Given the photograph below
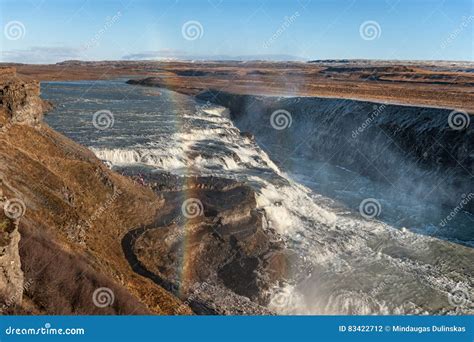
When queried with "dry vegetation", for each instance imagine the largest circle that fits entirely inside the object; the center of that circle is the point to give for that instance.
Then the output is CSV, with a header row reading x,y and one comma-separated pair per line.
x,y
441,84
60,282
64,255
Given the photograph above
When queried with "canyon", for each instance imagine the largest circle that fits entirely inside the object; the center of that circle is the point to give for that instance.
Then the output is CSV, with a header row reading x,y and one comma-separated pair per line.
x,y
421,83
80,227
57,186
125,229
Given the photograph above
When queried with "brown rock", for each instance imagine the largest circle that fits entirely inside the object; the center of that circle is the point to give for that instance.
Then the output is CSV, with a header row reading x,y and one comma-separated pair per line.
x,y
77,211
228,247
11,275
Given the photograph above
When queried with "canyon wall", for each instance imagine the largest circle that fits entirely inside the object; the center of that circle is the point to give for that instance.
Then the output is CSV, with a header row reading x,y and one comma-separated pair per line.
x,y
11,275
20,100
423,151
63,215
19,103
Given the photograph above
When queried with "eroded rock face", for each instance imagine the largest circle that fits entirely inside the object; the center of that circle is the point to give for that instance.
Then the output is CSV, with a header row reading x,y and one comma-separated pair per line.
x,y
11,275
215,248
19,103
77,211
19,99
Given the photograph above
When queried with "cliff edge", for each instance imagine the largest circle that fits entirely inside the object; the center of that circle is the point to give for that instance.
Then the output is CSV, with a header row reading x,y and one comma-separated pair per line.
x,y
63,215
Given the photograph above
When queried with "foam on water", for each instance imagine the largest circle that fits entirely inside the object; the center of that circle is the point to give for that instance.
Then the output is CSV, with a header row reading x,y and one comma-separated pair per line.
x,y
340,263
123,157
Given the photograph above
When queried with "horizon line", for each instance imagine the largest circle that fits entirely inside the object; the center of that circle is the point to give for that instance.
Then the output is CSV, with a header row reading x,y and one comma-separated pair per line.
x,y
334,60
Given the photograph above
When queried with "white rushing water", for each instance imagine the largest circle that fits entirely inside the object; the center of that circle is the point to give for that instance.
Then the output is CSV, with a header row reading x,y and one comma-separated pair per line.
x,y
341,262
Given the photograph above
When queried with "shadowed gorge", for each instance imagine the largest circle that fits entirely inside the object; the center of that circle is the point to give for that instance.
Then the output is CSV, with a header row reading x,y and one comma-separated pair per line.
x,y
309,181
371,138
237,170
231,203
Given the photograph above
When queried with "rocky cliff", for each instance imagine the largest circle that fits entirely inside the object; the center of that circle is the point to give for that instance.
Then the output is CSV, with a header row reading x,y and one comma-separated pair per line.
x,y
70,211
422,151
11,275
213,247
78,238
19,99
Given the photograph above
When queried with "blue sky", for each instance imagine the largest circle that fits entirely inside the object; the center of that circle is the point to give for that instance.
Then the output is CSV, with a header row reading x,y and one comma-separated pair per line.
x,y
48,31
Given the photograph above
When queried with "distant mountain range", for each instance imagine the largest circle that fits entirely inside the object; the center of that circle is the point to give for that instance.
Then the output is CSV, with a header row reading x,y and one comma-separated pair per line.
x,y
174,57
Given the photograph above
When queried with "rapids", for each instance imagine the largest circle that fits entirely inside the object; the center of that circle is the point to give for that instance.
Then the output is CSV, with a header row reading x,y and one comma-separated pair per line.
x,y
400,261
